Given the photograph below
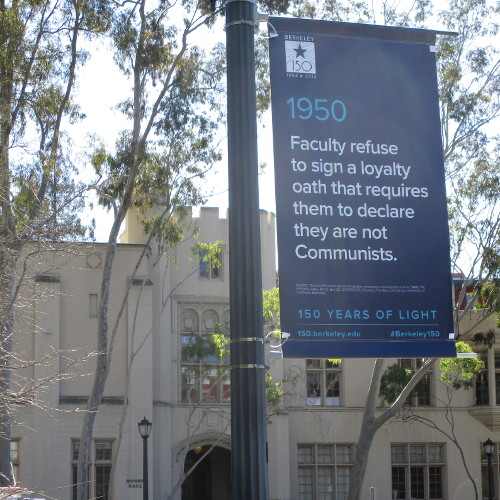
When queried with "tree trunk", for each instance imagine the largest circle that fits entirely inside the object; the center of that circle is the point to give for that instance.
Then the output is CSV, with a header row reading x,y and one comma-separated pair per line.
x,y
371,424
101,372
360,462
368,429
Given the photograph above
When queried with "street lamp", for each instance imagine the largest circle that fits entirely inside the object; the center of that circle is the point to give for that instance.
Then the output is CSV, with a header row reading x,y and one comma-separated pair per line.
x,y
145,430
489,448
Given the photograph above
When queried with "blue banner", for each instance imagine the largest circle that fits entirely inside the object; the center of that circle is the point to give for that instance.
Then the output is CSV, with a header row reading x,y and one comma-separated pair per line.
x,y
363,241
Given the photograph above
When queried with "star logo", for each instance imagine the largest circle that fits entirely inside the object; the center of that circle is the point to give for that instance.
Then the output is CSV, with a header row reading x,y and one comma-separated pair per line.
x,y
300,57
300,51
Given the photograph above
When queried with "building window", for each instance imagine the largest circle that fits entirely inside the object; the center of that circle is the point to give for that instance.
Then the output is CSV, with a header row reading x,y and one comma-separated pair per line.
x,y
324,471
482,386
418,471
99,467
75,447
102,468
497,378
495,462
211,268
421,395
204,376
14,459
323,382
489,374
204,354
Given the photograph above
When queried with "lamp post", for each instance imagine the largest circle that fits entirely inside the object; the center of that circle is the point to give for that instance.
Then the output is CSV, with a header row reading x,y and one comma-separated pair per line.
x,y
489,448
145,430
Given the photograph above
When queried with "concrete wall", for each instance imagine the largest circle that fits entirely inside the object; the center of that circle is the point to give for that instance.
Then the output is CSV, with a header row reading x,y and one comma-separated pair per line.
x,y
54,315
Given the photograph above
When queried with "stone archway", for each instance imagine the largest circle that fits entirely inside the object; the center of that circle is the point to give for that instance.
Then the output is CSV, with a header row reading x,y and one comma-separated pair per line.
x,y
211,479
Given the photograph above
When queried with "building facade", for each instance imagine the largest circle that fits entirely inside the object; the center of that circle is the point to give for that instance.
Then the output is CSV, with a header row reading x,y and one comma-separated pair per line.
x,y
175,304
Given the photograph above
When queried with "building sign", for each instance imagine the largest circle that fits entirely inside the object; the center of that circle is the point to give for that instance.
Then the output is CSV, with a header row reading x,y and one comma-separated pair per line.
x,y
134,483
363,241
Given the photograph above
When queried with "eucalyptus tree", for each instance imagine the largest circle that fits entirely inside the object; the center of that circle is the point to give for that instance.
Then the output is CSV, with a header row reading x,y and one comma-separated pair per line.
x,y
170,142
171,119
469,84
39,199
455,374
469,90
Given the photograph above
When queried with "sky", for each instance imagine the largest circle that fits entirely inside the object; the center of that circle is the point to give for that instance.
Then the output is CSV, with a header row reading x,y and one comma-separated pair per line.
x,y
102,86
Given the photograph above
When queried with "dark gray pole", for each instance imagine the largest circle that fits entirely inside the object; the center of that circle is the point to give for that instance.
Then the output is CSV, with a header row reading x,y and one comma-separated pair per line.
x,y
248,401
489,448
490,479
145,479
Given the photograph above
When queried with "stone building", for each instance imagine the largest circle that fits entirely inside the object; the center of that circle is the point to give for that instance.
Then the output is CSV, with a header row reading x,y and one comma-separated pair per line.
x,y
174,300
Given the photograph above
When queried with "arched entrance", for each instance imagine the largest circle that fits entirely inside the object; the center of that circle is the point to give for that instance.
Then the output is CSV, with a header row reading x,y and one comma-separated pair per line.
x,y
211,479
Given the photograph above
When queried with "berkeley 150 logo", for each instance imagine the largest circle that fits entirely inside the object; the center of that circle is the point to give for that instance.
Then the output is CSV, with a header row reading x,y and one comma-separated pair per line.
x,y
300,57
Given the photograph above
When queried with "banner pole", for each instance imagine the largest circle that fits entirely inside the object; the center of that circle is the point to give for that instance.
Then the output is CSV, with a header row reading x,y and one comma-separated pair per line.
x,y
248,402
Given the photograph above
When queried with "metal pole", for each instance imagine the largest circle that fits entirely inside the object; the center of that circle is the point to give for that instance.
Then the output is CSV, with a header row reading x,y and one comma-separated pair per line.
x,y
248,403
145,480
490,478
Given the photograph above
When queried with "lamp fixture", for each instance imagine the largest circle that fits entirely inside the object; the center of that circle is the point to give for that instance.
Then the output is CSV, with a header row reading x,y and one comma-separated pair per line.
x,y
145,428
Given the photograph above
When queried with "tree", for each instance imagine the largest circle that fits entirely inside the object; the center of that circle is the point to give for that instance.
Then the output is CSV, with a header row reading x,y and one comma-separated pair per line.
x,y
456,374
39,199
473,219
174,113
207,252
469,84
168,145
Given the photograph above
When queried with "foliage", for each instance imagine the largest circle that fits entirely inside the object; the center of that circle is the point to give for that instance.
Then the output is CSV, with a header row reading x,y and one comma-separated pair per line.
x,y
356,11
269,6
274,394
39,57
171,118
208,252
202,348
176,99
394,380
469,83
271,308
215,347
460,373
334,10
40,198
